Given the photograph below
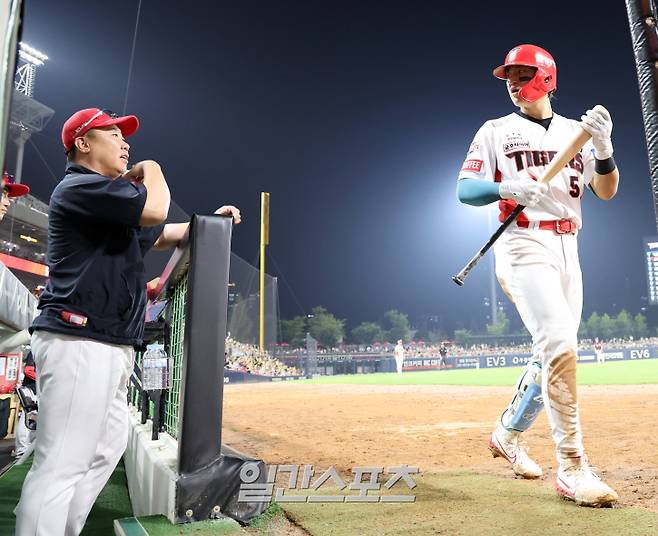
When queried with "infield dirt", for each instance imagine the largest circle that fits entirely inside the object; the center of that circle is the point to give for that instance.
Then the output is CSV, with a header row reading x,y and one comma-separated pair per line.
x,y
441,429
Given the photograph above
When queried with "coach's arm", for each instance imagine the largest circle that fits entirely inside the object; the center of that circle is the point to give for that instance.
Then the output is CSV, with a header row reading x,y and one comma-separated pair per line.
x,y
173,233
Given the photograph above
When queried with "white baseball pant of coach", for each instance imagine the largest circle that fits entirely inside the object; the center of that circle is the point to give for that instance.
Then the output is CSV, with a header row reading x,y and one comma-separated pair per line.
x,y
82,431
541,271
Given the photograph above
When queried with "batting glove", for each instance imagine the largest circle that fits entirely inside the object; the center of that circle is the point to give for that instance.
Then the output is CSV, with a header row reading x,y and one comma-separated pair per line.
x,y
598,123
525,192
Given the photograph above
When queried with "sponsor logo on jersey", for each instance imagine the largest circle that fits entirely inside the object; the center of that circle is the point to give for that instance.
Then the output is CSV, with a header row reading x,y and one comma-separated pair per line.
x,y
475,146
472,165
514,145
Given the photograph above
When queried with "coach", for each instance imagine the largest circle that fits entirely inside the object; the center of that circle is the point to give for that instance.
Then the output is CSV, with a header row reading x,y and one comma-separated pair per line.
x,y
103,218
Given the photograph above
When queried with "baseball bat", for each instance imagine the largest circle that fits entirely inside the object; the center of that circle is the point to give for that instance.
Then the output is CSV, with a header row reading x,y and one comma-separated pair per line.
x,y
560,160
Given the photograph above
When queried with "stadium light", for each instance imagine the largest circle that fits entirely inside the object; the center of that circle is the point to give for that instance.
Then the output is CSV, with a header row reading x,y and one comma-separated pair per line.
x,y
29,58
25,73
33,52
27,114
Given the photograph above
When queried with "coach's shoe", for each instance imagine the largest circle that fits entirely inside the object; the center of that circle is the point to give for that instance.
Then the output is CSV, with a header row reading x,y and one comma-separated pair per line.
x,y
577,482
506,444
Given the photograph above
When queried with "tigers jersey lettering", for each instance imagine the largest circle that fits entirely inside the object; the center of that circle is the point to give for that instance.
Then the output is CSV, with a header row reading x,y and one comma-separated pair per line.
x,y
512,148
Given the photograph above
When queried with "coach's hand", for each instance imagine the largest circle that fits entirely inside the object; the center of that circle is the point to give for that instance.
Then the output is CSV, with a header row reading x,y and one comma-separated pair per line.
x,y
524,191
230,210
137,172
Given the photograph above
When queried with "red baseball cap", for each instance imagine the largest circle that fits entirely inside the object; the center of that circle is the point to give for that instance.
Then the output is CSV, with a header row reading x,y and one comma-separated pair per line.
x,y
84,120
13,189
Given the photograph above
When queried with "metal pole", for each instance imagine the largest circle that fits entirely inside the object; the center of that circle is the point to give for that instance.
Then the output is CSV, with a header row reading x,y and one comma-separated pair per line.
x,y
264,240
20,143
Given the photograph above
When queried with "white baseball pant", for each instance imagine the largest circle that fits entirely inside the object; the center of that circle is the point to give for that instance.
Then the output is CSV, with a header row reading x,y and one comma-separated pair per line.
x,y
541,271
82,431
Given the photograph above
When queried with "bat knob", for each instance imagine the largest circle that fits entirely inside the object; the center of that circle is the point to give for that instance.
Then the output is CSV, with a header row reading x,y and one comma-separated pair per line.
x,y
458,280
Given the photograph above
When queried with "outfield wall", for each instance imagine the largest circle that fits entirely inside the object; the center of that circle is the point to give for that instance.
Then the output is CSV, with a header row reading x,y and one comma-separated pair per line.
x,y
331,365
517,360
233,376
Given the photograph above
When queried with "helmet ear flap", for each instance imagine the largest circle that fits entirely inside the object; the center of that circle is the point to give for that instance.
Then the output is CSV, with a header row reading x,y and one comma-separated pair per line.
x,y
541,84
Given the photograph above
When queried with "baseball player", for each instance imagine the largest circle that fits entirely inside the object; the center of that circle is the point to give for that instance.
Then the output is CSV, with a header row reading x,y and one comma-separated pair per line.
x,y
103,218
25,428
398,352
443,352
537,257
10,191
598,350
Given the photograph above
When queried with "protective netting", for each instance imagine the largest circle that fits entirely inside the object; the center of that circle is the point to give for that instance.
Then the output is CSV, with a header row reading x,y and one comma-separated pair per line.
x,y
242,326
178,303
243,293
244,304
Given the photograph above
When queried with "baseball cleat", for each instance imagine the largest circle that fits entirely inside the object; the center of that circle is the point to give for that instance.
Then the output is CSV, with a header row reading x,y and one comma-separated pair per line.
x,y
576,481
506,445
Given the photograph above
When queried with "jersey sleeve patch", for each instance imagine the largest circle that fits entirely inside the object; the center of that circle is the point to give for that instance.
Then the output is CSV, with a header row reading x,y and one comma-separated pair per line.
x,y
475,146
472,165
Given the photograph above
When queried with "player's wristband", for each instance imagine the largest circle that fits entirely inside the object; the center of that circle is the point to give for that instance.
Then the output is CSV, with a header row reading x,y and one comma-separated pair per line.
x,y
603,167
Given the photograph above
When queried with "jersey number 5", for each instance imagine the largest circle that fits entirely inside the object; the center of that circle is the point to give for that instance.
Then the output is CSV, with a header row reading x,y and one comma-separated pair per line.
x,y
574,186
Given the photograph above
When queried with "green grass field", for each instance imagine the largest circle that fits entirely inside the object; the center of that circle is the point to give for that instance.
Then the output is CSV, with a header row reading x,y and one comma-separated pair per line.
x,y
610,373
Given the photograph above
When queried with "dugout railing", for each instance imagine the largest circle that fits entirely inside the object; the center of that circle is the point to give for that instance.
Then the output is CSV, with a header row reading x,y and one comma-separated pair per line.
x,y
202,477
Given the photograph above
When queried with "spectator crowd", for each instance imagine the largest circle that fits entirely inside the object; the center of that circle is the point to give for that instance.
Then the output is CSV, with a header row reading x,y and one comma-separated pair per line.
x,y
416,349
243,357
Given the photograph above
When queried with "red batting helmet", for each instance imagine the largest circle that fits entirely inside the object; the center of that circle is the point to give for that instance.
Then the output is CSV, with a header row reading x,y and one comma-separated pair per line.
x,y
545,79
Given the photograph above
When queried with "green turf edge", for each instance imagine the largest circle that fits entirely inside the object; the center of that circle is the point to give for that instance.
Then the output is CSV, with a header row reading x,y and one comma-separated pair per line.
x,y
161,526
129,526
263,521
610,373
272,521
471,504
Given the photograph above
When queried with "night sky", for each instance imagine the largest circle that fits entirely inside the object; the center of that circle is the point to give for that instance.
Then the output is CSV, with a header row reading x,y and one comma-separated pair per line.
x,y
356,116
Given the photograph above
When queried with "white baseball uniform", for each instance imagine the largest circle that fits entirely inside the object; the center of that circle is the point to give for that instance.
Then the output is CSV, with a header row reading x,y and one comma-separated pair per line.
x,y
537,257
398,352
598,350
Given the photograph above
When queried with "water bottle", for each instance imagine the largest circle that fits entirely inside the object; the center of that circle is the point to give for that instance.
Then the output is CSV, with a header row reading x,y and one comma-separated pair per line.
x,y
155,368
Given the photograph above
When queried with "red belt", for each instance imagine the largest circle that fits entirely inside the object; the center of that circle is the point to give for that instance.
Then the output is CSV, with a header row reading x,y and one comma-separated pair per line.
x,y
559,226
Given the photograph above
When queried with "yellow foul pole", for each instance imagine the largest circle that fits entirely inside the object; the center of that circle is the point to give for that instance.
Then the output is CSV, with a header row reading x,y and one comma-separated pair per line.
x,y
264,241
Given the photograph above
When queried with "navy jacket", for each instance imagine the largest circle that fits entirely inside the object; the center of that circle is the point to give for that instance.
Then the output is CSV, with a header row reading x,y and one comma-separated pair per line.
x,y
95,257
